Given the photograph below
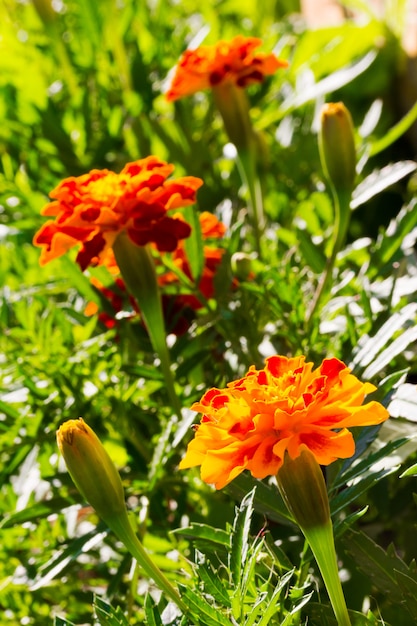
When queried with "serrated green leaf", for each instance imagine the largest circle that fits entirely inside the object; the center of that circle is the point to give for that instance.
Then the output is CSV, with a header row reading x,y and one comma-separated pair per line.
x,y
212,582
240,537
375,562
404,402
107,615
395,348
161,452
153,617
198,531
203,611
408,586
342,526
270,609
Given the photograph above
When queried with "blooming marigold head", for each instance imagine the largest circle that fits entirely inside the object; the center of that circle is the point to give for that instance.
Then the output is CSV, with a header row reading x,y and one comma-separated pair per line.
x,y
93,209
285,407
227,61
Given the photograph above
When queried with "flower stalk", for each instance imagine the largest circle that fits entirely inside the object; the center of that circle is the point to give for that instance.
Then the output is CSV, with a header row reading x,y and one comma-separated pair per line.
x,y
137,268
99,482
338,159
303,489
233,105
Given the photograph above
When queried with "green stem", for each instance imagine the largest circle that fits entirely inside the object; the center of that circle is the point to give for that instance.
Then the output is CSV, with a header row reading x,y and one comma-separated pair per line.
x,y
233,105
247,167
137,268
321,541
303,489
342,215
120,525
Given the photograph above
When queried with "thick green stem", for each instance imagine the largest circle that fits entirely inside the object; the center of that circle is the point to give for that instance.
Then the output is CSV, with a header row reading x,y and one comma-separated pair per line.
x,y
233,106
342,214
303,489
138,270
321,542
124,531
247,167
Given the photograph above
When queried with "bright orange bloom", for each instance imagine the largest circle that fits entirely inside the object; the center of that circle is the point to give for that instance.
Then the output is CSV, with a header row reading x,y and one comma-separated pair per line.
x,y
282,408
93,209
234,61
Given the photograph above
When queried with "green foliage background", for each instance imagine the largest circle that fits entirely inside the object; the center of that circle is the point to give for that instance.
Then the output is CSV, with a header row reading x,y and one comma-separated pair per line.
x,y
81,87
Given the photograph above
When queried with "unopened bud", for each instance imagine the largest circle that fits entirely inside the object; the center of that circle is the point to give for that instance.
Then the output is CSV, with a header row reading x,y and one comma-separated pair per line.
x,y
241,264
91,468
337,146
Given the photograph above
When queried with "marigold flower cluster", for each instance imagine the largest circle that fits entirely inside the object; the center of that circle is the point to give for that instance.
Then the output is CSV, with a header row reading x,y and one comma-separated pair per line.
x,y
280,409
94,208
235,61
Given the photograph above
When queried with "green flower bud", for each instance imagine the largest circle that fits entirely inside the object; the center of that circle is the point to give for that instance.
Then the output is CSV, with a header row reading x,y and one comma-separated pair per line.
x,y
302,487
242,265
337,146
91,468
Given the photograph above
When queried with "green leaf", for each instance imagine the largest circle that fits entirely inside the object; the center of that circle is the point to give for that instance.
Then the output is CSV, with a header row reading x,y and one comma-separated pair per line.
x,y
360,469
395,132
370,353
61,621
107,615
411,471
313,255
404,402
351,493
380,566
211,579
62,558
392,239
204,612
335,81
270,609
35,512
341,526
240,537
153,616
197,532
380,180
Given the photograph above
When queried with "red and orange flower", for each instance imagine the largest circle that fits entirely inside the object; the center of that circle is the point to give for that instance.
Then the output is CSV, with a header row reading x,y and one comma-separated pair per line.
x,y
93,209
227,61
283,408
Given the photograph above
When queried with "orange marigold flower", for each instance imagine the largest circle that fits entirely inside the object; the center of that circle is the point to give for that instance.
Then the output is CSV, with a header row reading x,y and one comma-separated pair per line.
x,y
284,407
94,208
235,61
